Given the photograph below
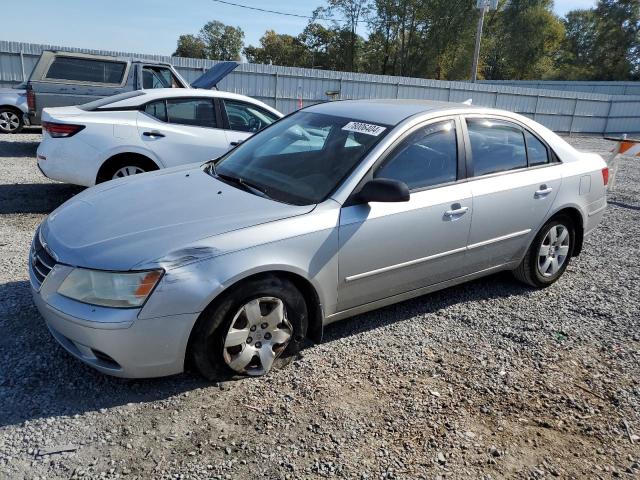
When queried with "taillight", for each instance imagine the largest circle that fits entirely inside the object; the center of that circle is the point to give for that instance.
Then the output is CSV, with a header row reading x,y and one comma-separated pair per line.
x,y
605,175
61,130
31,99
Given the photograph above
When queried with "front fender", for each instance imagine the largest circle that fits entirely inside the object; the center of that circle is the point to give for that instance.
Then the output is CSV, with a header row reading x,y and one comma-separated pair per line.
x,y
311,256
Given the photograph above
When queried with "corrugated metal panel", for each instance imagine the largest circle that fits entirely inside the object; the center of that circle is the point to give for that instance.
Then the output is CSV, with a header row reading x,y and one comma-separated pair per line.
x,y
585,107
588,124
608,88
590,108
517,103
556,105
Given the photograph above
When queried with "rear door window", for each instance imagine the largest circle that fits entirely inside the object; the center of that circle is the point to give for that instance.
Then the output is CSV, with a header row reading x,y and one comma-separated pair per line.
x,y
197,112
496,146
86,70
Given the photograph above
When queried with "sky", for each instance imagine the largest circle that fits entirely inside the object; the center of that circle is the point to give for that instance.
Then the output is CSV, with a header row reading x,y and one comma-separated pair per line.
x,y
153,26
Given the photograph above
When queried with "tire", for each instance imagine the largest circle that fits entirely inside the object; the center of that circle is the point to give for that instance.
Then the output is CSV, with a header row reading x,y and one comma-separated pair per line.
x,y
10,120
125,167
547,259
240,334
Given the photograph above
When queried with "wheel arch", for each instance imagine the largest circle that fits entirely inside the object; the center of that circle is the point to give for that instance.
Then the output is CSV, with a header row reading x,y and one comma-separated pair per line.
x,y
120,156
306,287
15,108
575,215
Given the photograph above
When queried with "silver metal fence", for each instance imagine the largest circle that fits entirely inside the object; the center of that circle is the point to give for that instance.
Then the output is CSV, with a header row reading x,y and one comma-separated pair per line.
x,y
608,88
286,87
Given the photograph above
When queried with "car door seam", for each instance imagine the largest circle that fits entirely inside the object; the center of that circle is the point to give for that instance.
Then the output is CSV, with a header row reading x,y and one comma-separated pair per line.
x,y
417,261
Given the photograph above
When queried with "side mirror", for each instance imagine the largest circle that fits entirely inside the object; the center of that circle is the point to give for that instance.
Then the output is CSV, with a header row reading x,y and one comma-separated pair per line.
x,y
384,190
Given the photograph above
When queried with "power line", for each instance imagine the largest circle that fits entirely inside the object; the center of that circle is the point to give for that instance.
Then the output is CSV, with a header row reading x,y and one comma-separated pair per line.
x,y
276,12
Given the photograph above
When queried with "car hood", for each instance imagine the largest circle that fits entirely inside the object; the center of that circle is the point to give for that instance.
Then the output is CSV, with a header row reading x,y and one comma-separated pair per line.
x,y
120,224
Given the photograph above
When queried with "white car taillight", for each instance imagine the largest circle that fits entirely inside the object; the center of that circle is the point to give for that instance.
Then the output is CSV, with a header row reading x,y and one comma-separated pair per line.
x,y
61,130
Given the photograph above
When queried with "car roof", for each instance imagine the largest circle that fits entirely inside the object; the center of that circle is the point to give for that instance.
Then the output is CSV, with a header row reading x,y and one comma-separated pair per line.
x,y
161,93
386,111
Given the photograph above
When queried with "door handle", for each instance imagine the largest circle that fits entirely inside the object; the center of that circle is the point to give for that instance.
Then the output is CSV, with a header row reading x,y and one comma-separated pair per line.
x,y
153,133
456,210
544,190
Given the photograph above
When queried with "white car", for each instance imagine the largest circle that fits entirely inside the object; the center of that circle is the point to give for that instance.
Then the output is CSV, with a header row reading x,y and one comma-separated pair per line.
x,y
140,131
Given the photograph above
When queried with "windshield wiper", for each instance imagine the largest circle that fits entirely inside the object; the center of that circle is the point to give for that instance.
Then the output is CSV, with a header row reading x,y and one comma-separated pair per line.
x,y
244,184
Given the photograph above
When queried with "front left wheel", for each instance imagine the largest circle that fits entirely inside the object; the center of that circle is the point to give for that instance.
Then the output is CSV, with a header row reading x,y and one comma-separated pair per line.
x,y
251,330
10,120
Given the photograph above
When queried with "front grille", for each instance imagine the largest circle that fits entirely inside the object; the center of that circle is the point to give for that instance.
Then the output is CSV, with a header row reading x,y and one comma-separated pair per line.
x,y
41,260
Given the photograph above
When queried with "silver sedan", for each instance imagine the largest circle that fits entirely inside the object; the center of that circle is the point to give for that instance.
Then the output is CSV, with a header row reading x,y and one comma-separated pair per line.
x,y
335,210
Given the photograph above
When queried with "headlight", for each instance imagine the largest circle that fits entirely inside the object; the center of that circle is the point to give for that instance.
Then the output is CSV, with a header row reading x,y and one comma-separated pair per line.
x,y
109,289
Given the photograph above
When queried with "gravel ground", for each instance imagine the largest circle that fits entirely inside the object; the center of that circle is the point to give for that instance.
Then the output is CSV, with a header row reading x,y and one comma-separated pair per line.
x,y
486,380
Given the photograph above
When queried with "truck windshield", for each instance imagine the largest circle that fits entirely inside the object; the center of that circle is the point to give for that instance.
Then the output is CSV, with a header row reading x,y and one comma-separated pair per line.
x,y
302,158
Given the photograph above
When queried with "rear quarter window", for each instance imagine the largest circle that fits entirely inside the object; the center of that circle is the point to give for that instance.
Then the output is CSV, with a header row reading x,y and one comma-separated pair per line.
x,y
86,70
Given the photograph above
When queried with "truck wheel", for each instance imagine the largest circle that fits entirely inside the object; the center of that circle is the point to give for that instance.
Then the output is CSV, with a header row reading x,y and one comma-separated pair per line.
x,y
10,120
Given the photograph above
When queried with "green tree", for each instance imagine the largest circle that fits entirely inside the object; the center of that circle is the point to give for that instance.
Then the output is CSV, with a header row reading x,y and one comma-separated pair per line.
x,y
529,35
190,46
278,49
348,14
576,61
222,42
617,43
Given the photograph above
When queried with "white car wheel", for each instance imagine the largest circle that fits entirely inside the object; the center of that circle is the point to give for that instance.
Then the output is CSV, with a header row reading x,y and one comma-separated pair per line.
x,y
127,171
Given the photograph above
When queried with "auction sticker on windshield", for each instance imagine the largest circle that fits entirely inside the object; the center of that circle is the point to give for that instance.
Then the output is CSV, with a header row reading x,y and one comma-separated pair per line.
x,y
366,128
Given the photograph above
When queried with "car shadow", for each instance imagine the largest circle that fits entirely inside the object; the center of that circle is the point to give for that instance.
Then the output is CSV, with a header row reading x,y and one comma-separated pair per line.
x,y
17,149
35,197
498,285
39,379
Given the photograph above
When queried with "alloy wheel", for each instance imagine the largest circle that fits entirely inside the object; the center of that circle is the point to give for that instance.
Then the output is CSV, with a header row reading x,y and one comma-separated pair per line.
x,y
127,171
258,334
554,250
9,121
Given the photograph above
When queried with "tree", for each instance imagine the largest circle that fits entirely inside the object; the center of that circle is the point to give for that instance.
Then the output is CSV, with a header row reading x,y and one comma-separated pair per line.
x,y
278,49
190,46
529,36
351,12
222,42
576,61
617,42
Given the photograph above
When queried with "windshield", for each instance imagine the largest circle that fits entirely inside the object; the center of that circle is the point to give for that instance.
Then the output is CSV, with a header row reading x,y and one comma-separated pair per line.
x,y
302,158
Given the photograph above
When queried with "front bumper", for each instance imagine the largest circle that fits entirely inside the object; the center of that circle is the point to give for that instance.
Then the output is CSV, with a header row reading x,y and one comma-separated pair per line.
x,y
111,340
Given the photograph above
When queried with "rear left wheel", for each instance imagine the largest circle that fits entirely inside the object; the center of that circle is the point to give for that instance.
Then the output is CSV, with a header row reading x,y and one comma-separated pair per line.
x,y
549,254
10,120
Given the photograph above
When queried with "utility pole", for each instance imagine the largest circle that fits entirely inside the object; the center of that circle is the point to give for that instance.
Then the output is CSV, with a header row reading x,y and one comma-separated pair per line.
x,y
483,6
476,52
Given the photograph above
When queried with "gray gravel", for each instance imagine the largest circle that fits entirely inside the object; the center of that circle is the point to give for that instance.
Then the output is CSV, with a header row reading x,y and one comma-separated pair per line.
x,y
485,380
